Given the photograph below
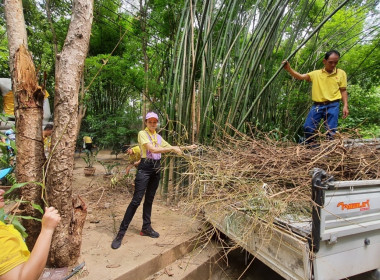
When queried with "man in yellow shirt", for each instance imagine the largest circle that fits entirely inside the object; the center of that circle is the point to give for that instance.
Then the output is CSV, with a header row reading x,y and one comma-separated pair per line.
x,y
87,141
329,86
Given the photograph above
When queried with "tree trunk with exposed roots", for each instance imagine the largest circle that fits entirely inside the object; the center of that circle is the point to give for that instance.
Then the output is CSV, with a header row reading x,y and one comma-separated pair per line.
x,y
67,239
29,98
65,249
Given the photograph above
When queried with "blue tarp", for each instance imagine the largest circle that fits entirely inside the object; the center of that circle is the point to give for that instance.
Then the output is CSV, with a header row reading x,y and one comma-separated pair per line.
x,y
4,172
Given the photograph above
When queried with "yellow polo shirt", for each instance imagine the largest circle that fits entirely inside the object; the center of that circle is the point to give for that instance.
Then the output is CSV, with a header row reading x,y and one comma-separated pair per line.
x,y
13,250
87,139
9,105
326,86
144,139
47,143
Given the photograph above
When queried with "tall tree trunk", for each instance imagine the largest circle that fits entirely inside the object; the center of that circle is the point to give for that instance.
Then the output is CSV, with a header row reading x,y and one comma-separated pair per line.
x,y
67,239
82,107
28,113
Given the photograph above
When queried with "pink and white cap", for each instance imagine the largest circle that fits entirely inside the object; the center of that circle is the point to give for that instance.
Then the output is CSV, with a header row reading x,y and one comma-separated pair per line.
x,y
151,115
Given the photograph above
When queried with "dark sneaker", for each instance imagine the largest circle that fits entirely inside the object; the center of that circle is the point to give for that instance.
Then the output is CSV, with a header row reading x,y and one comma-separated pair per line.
x,y
149,232
117,241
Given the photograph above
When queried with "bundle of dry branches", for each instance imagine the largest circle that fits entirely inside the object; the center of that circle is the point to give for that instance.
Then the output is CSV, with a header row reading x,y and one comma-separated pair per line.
x,y
267,178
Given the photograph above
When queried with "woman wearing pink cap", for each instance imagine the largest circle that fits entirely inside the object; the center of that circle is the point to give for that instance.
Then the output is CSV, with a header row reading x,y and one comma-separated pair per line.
x,y
147,178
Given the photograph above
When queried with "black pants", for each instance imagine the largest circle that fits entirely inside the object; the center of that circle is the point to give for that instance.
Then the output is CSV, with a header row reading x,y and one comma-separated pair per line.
x,y
146,182
89,147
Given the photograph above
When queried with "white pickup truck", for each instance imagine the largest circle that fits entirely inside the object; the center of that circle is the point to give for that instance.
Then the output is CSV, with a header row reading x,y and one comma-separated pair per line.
x,y
339,240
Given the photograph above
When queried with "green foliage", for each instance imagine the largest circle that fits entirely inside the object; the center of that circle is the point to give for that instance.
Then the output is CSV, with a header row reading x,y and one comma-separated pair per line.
x,y
40,37
4,55
232,60
165,17
113,100
108,28
108,166
118,83
14,219
6,159
90,157
236,54
10,179
235,49
364,111
361,62
15,187
113,131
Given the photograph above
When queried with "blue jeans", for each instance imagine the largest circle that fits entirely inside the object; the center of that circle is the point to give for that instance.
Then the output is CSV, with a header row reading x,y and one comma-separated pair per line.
x,y
146,183
329,113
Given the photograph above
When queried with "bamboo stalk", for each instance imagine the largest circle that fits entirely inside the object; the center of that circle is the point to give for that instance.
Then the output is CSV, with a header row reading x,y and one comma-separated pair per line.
x,y
288,58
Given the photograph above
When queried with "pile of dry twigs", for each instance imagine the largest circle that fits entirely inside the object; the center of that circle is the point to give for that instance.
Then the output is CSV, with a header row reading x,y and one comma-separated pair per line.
x,y
269,178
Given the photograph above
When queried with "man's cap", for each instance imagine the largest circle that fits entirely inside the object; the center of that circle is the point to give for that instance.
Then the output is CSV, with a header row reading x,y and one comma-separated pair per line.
x,y
151,115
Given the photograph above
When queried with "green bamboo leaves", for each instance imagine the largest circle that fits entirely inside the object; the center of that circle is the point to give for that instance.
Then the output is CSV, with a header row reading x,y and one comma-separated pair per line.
x,y
227,58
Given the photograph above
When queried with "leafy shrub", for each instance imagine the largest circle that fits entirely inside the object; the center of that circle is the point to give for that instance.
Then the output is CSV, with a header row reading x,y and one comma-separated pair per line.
x,y
364,111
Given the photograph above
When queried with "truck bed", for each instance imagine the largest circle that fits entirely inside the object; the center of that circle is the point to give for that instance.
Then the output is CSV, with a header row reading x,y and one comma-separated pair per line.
x,y
342,240
283,250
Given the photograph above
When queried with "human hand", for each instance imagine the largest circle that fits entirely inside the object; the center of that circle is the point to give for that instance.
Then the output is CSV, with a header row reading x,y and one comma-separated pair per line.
x,y
192,147
345,112
286,65
177,150
50,219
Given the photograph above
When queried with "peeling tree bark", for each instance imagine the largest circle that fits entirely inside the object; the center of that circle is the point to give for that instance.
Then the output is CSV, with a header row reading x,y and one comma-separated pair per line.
x,y
82,107
28,113
67,239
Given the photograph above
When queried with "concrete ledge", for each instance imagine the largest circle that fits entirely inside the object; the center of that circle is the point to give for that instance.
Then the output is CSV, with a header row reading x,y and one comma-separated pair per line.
x,y
161,261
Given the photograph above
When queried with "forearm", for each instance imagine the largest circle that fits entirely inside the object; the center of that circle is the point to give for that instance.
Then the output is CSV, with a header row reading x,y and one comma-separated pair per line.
x,y
345,110
296,75
33,268
344,98
161,150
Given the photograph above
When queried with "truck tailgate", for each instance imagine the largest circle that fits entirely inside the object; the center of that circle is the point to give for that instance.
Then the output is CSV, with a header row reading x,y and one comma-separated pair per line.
x,y
349,230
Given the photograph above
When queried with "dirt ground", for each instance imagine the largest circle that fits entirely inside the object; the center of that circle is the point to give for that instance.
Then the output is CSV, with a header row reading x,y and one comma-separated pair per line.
x,y
100,192
107,199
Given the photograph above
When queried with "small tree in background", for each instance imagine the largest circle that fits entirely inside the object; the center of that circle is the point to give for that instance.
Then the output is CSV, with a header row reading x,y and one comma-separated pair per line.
x,y
112,131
